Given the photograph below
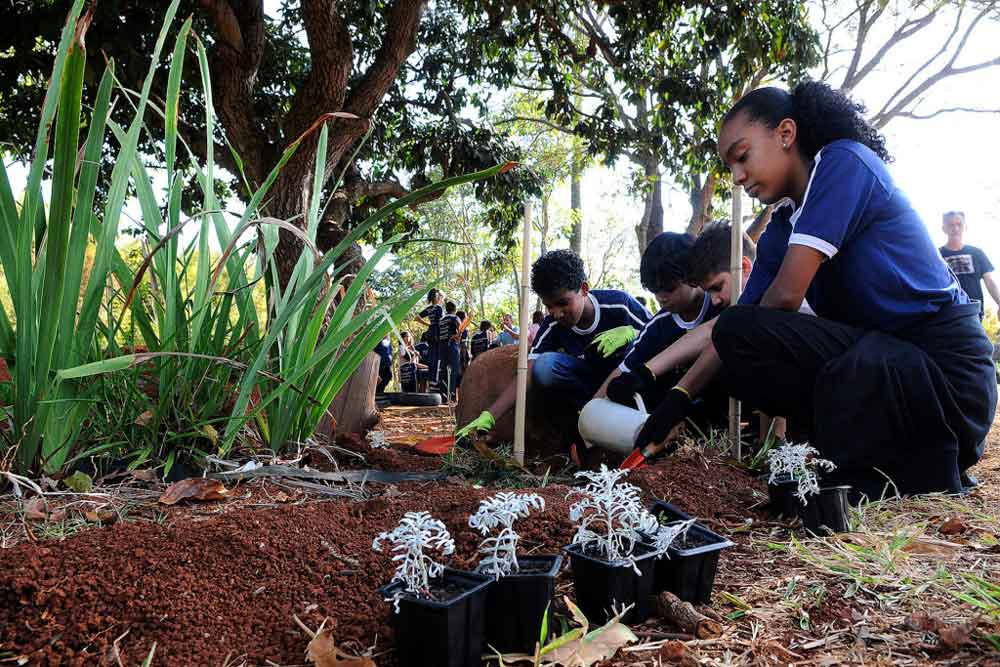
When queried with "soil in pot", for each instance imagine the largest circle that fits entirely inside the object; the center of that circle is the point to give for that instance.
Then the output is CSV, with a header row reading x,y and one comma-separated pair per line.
x,y
516,604
826,511
688,569
601,586
446,627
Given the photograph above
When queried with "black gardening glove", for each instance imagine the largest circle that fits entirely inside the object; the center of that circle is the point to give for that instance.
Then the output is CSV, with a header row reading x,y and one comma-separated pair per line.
x,y
672,411
624,387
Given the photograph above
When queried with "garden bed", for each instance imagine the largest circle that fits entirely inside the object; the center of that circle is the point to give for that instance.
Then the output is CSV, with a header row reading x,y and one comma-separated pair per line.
x,y
222,581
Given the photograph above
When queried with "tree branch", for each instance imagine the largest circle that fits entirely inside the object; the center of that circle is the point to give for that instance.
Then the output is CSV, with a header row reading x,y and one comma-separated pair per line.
x,y
919,116
238,51
540,121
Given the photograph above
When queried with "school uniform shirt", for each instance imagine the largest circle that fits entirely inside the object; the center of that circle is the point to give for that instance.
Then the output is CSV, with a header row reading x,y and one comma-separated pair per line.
x,y
612,308
408,371
661,332
480,343
882,270
969,263
448,327
433,315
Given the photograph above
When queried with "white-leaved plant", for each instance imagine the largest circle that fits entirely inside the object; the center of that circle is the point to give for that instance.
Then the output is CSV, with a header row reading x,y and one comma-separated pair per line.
x,y
501,511
802,463
377,440
610,516
416,534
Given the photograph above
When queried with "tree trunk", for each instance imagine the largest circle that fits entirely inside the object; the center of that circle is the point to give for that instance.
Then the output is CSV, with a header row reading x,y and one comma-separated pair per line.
x,y
759,224
651,224
543,246
353,409
701,203
576,199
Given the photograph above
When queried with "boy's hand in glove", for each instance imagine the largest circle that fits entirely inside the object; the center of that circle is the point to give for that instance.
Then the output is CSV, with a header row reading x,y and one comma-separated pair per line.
x,y
624,387
613,340
484,422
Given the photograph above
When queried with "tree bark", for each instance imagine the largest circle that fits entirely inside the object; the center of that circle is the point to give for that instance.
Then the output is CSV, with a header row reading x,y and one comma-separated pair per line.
x,y
353,409
576,199
700,196
651,224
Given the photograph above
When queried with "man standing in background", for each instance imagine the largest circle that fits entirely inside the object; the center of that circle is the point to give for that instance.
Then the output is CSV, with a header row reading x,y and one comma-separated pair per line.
x,y
509,333
968,263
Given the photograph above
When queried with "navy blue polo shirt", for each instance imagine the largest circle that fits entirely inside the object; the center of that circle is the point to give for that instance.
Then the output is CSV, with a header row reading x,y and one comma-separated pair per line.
x,y
448,327
661,332
433,314
882,270
612,308
480,343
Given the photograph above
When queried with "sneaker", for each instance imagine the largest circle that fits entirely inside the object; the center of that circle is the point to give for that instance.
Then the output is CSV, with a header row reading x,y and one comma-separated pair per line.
x,y
968,481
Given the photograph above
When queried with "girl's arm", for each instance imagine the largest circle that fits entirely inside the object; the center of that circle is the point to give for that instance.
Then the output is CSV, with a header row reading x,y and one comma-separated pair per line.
x,y
422,321
684,350
798,268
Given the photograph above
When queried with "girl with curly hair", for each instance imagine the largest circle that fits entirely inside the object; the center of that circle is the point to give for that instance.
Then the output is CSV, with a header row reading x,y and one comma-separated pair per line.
x,y
892,379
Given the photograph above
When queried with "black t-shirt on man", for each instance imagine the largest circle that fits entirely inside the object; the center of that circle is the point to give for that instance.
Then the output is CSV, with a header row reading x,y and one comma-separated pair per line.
x,y
969,264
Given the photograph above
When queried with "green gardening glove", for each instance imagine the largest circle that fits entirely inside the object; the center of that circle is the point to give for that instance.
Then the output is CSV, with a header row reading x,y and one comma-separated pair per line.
x,y
484,422
613,340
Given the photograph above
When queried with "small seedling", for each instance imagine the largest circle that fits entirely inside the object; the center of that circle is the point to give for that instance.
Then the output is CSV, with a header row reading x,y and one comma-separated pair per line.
x,y
611,517
377,440
501,511
802,463
417,533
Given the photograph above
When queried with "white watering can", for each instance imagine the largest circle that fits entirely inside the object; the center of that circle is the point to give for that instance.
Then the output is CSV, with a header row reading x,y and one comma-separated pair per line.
x,y
613,426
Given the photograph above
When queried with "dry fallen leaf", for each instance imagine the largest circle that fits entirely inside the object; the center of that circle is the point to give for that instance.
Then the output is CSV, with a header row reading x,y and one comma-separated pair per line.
x,y
955,636
281,497
922,621
194,488
144,418
144,475
324,652
592,647
100,516
37,509
923,547
953,526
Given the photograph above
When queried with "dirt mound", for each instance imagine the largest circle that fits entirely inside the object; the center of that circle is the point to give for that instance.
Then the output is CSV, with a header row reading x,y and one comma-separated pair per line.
x,y
547,432
704,487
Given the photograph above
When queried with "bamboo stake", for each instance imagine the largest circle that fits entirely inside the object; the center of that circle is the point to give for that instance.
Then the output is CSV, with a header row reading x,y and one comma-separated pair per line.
x,y
520,406
736,288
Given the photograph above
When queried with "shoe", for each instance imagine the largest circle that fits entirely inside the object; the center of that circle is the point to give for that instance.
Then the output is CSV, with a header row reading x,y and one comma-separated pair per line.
x,y
968,481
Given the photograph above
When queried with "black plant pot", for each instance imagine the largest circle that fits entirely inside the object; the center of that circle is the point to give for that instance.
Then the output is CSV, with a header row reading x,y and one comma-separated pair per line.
x,y
601,585
784,502
826,510
688,569
441,632
516,604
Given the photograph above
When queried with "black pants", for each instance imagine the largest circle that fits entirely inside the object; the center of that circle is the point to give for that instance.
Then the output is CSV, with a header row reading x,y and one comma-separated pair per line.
x,y
914,406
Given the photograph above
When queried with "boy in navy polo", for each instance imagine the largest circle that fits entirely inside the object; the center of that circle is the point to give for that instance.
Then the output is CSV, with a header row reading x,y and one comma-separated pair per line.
x,y
683,307
481,340
578,316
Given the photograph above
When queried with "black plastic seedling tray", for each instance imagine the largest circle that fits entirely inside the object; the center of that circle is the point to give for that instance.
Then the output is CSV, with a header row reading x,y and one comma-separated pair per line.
x,y
515,604
784,502
688,572
448,633
601,585
826,510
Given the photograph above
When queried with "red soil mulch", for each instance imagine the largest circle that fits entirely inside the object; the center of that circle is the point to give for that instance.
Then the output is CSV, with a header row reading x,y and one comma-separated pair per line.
x,y
204,588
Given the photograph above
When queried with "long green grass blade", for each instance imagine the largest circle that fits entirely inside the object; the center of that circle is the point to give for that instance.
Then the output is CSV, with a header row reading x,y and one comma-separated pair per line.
x,y
67,137
80,235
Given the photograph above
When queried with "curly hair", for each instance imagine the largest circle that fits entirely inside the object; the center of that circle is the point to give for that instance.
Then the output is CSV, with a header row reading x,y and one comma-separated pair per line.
x,y
557,270
710,252
663,263
821,114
